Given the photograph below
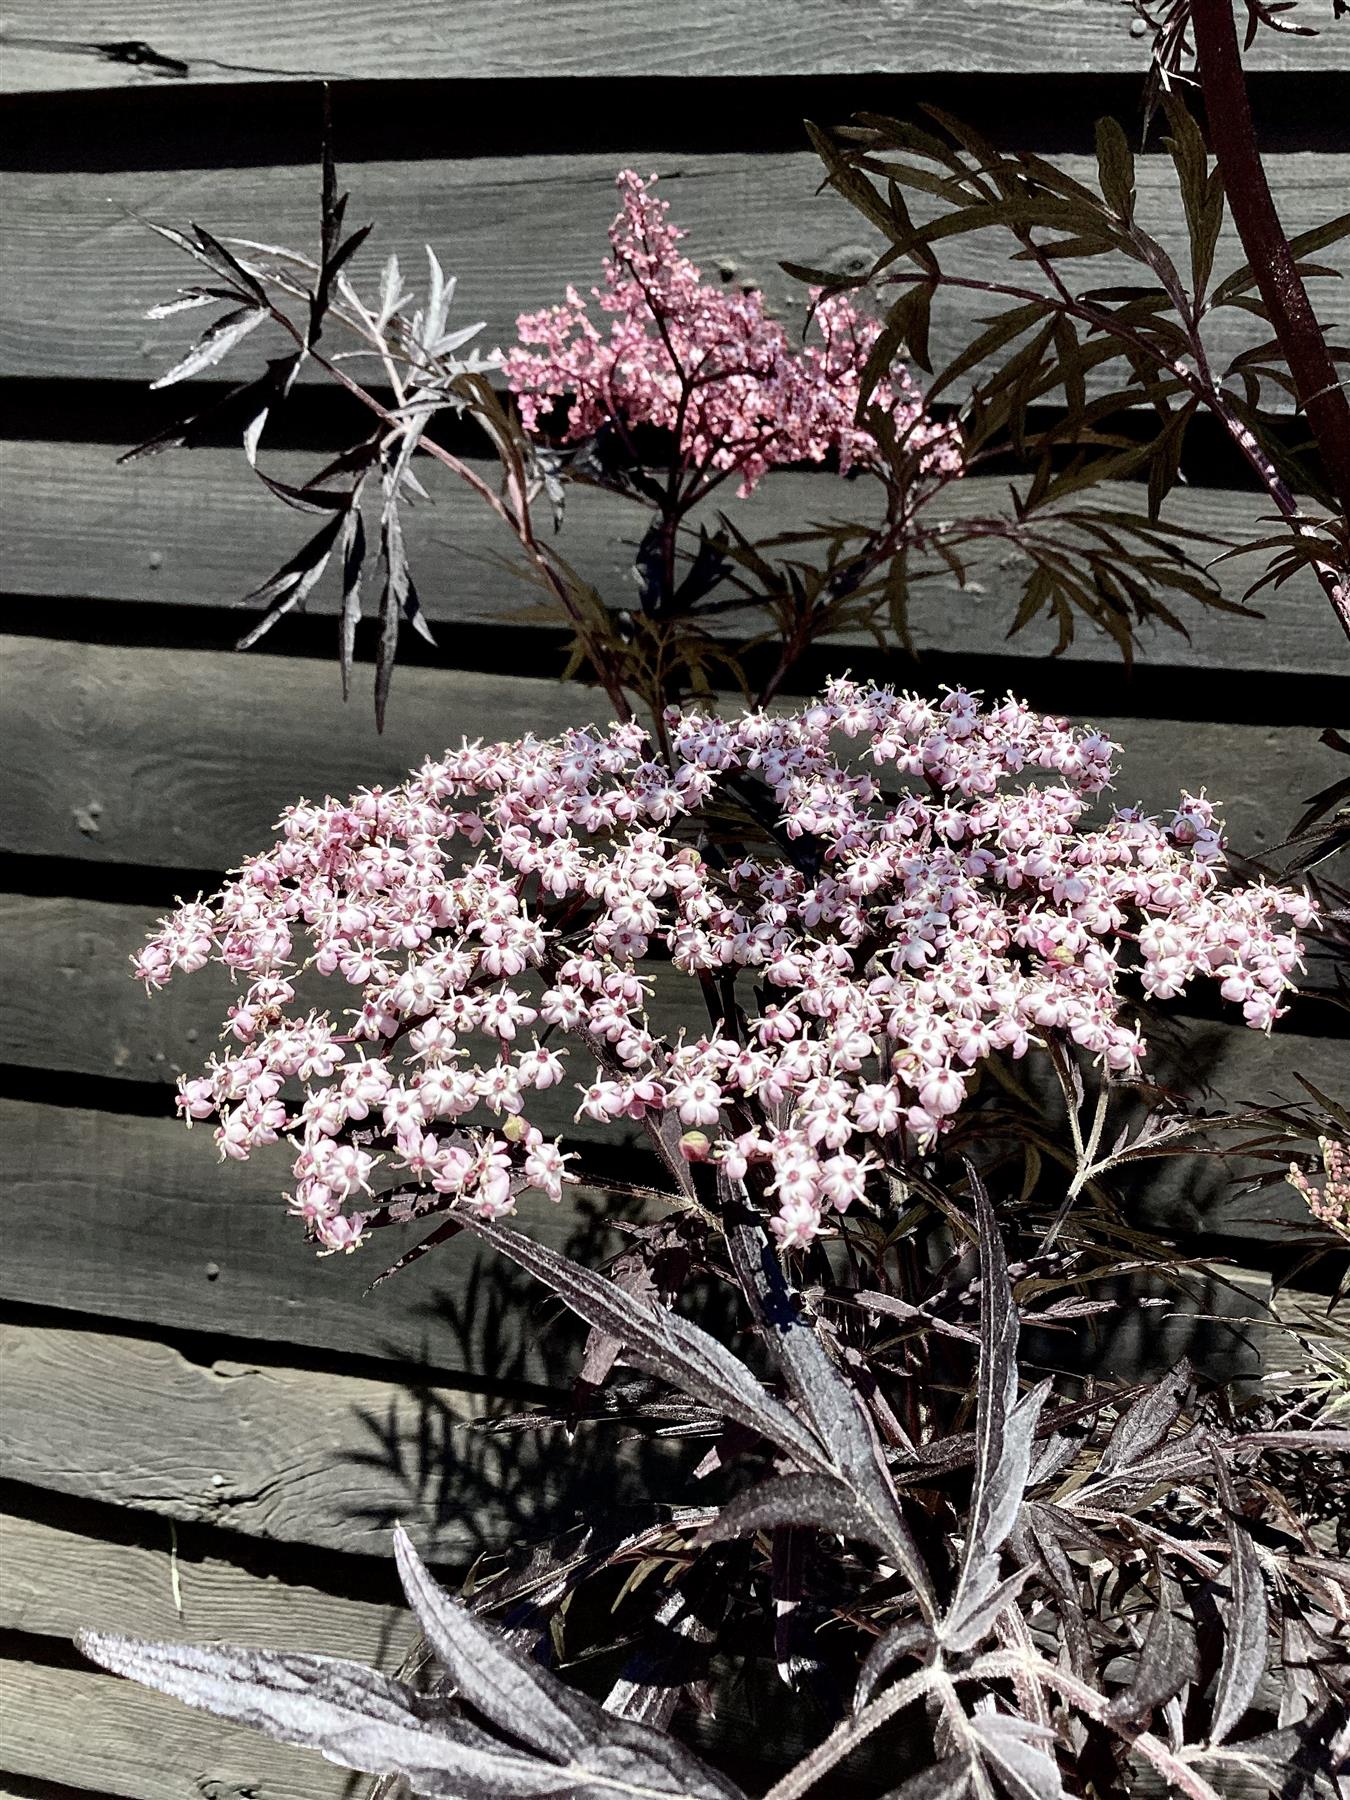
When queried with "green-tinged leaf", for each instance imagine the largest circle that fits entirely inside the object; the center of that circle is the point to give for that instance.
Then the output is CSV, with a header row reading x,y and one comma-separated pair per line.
x,y
1115,169
854,187
1320,237
1001,330
1071,365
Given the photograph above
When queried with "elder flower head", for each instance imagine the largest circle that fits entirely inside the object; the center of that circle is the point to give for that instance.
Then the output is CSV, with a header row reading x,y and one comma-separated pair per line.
x,y
942,883
707,364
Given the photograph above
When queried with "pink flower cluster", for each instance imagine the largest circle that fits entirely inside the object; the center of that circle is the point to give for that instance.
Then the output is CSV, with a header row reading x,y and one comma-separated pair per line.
x,y
1329,1204
506,907
707,365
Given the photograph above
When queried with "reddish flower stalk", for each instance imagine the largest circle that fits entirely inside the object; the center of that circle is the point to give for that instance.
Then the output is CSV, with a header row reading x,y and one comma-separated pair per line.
x,y
1233,139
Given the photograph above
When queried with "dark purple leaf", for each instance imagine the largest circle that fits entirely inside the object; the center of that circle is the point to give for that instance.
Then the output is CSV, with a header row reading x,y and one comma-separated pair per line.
x,y
909,1639
970,1622
353,548
663,1343
355,1717
514,1694
1147,1422
1167,1661
949,1779
817,1500
291,584
1019,1755
1244,1647
826,1396
1005,1432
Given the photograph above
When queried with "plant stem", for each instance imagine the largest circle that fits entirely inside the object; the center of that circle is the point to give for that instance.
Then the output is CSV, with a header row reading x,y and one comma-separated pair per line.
x,y
1233,138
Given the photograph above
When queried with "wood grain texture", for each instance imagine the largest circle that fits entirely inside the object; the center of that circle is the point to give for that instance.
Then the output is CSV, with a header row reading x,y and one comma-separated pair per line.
x,y
86,1730
125,1218
55,46
515,230
59,1581
295,1456
197,530
184,759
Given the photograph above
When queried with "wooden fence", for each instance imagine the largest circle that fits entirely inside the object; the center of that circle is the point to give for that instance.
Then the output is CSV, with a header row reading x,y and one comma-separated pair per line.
x,y
207,1433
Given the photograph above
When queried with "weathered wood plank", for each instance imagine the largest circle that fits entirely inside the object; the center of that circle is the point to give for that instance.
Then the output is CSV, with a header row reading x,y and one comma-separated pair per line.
x,y
50,47
156,1582
184,759
515,230
197,530
293,1456
117,1217
92,1731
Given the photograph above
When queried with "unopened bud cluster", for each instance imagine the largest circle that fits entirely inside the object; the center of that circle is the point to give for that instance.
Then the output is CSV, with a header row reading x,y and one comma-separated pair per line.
x,y
933,889
1330,1203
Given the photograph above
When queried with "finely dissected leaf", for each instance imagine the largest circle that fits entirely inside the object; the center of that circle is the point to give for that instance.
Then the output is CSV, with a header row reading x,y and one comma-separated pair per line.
x,y
213,345
352,1715
827,1397
1244,1646
1005,1431
1015,1752
1307,243
363,1720
398,600
511,1692
1293,1762
1147,1422
1167,1660
909,1639
605,1751
1115,168
974,1615
353,558
292,582
661,1342
815,1500
1201,190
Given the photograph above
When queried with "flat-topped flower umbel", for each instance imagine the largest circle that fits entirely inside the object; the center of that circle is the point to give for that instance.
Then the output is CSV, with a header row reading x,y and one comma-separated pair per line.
x,y
916,883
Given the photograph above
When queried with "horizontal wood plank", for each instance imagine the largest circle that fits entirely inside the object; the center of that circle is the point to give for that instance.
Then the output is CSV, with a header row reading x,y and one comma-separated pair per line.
x,y
198,530
84,1730
134,1219
176,759
155,1582
56,46
184,759
296,1456
515,230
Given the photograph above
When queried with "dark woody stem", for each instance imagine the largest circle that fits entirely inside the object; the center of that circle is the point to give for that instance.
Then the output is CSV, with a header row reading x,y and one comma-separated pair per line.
x,y
1233,139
